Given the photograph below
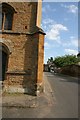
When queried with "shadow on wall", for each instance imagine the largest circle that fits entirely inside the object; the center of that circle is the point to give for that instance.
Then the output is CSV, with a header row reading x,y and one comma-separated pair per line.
x,y
31,56
30,65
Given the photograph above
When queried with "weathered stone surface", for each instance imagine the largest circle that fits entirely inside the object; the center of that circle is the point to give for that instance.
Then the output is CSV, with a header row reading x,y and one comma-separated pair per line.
x,y
24,71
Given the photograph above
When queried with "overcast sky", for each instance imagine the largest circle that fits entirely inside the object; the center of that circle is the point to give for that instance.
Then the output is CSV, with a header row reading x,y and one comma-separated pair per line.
x,y
60,23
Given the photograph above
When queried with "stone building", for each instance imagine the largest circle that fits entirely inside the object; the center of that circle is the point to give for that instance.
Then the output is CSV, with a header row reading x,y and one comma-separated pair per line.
x,y
22,47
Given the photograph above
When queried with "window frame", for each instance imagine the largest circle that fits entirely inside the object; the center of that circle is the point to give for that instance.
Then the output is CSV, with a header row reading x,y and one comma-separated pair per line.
x,y
5,10
6,21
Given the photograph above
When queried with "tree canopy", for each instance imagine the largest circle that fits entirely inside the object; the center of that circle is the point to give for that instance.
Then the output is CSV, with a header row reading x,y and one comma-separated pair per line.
x,y
65,60
50,60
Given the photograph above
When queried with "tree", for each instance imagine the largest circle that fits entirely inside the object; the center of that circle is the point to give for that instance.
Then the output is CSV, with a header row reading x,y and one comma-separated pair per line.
x,y
65,60
50,60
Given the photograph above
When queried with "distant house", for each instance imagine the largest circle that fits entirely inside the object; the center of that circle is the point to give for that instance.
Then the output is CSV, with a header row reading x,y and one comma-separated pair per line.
x,y
46,68
51,67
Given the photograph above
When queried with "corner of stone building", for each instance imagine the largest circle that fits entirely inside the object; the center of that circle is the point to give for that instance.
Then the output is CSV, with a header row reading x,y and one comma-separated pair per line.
x,y
19,81
40,88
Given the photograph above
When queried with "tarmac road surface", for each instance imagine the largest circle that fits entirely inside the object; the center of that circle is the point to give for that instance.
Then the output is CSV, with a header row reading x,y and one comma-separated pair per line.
x,y
63,100
65,89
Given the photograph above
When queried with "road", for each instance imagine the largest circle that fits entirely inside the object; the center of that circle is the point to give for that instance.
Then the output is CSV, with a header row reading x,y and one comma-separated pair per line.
x,y
64,91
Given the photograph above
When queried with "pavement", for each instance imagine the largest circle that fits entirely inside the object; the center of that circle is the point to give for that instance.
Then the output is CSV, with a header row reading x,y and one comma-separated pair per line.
x,y
28,101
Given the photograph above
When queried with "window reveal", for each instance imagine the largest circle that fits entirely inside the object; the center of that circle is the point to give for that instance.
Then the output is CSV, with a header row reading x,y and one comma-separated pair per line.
x,y
6,18
0,21
8,21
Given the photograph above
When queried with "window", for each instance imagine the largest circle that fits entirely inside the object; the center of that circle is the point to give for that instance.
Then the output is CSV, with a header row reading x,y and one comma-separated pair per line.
x,y
6,17
0,21
7,21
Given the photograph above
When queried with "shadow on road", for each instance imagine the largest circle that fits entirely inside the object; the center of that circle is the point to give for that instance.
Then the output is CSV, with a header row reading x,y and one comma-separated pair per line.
x,y
67,78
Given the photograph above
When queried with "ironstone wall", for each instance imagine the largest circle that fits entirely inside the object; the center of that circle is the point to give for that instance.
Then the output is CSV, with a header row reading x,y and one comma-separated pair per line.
x,y
72,70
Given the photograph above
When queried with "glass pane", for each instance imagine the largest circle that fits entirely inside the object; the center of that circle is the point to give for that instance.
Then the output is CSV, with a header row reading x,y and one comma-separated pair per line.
x,y
0,21
8,21
4,58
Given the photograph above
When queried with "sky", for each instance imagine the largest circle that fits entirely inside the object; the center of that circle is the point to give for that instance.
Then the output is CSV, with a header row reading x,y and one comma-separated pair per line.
x,y
60,23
